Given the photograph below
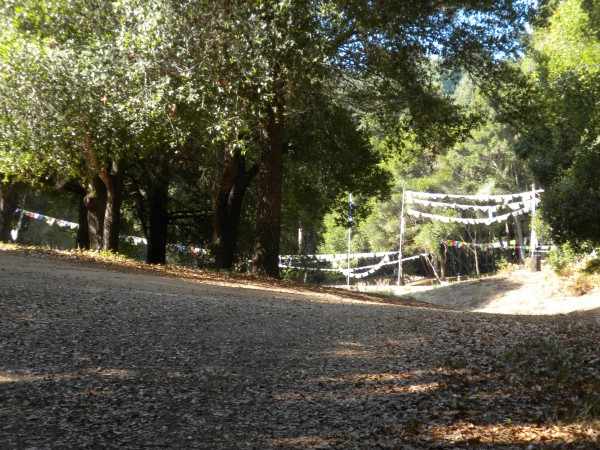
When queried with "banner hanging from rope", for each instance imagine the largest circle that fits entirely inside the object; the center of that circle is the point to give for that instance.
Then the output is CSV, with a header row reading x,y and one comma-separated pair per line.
x,y
463,244
524,204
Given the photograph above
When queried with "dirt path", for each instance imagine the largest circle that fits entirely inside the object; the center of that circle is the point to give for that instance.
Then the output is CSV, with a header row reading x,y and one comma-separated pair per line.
x,y
94,358
520,292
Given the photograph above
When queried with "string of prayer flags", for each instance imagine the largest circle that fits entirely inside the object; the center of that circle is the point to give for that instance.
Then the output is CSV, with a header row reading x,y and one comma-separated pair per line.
x,y
48,220
525,203
486,208
411,195
352,274
462,244
433,204
472,221
135,240
337,256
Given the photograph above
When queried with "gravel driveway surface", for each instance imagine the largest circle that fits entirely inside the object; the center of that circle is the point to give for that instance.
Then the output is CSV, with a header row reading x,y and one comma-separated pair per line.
x,y
97,358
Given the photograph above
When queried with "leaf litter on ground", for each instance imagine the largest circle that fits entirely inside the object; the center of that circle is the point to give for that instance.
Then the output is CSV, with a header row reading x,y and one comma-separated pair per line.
x,y
134,357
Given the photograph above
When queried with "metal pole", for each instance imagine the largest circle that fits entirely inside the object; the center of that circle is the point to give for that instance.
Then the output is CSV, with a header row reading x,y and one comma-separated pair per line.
x,y
400,274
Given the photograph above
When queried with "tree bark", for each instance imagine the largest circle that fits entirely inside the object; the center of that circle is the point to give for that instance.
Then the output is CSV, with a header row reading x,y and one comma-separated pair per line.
x,y
520,240
508,239
113,179
158,223
443,264
82,240
227,206
95,203
268,223
8,203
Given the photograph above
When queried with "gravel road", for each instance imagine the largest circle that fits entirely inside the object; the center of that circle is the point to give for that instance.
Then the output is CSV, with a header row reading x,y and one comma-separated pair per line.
x,y
97,358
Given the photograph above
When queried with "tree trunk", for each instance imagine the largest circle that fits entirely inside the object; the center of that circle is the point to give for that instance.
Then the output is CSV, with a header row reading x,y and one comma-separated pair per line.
x,y
520,240
443,264
113,179
508,239
82,240
227,207
8,203
158,224
268,223
95,203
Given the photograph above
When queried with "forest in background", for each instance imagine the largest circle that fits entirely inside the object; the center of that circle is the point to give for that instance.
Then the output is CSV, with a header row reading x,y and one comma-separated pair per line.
x,y
231,126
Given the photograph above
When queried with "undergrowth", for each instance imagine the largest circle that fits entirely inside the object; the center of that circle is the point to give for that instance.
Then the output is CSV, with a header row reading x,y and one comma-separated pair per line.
x,y
578,267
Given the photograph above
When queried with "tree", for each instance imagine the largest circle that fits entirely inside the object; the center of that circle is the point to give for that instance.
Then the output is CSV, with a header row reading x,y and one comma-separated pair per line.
x,y
561,138
103,74
477,160
9,201
281,47
89,70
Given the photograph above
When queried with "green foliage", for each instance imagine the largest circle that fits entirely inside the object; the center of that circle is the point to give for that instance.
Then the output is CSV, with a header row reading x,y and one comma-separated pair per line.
x,y
565,256
484,163
128,80
561,141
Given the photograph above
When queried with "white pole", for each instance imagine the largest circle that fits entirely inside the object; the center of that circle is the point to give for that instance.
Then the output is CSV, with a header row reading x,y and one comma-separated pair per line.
x,y
533,240
351,219
348,274
400,277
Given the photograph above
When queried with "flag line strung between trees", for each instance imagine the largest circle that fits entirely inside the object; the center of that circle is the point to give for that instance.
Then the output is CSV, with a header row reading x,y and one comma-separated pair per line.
x,y
371,268
494,245
488,208
472,221
503,198
200,251
338,256
133,239
526,202
500,245
48,220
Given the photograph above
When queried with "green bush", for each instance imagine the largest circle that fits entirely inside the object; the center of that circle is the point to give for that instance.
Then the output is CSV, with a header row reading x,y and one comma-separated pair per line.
x,y
564,256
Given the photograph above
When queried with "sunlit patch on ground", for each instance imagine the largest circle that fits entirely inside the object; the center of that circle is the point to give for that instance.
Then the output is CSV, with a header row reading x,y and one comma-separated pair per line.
x,y
509,433
11,377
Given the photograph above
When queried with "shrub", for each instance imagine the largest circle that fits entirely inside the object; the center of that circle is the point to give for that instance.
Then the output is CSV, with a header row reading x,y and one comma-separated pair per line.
x,y
565,256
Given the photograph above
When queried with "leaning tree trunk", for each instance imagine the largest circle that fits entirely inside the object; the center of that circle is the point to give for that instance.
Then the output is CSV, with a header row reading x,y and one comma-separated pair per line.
x,y
227,207
113,179
95,203
8,203
268,222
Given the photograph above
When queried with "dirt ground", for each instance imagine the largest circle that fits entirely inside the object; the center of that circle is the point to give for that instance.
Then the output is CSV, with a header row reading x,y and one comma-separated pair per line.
x,y
519,292
103,355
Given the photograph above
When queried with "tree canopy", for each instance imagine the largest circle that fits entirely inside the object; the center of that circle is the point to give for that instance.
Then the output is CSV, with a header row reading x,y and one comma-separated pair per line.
x,y
277,88
561,138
